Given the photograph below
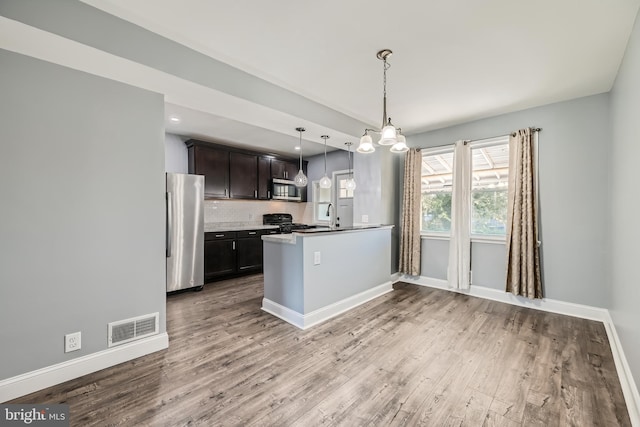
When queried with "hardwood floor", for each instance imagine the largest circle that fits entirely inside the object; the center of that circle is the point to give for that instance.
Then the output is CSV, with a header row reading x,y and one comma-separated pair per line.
x,y
415,356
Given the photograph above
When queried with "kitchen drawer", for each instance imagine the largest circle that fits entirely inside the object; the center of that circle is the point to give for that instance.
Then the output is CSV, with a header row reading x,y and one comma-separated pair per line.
x,y
220,235
248,233
256,233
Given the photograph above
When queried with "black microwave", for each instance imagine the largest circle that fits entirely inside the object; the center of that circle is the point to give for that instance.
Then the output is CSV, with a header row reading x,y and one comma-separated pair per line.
x,y
283,189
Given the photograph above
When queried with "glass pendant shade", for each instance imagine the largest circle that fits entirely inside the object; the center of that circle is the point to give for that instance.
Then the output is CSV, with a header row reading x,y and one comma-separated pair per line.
x,y
400,146
350,184
325,182
366,145
301,179
388,136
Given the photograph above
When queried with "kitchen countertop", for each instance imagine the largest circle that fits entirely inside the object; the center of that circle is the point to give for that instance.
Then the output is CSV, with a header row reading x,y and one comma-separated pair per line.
x,y
228,226
291,238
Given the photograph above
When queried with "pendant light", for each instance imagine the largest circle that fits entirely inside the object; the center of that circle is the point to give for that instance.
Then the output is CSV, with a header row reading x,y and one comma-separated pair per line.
x,y
301,179
325,182
351,183
389,134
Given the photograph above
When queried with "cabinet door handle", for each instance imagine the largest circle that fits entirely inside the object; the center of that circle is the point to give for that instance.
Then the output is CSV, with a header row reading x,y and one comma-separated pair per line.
x,y
219,235
234,245
255,194
252,232
268,194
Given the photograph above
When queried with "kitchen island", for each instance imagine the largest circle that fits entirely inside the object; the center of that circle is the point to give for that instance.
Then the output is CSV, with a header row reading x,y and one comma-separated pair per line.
x,y
313,275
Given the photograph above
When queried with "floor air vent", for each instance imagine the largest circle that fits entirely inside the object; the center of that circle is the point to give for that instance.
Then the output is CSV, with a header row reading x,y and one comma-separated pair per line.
x,y
124,331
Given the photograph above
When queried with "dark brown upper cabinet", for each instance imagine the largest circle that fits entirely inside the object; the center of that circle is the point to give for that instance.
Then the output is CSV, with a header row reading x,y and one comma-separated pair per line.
x,y
213,163
283,169
264,178
244,175
238,174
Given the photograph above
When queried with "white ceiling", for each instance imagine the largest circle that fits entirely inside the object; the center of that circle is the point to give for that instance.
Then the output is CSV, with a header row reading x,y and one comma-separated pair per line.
x,y
453,61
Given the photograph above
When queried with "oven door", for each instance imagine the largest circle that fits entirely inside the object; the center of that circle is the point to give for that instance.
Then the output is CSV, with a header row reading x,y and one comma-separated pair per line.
x,y
282,189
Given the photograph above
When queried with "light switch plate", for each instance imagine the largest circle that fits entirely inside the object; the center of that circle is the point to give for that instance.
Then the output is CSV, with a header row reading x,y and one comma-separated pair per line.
x,y
316,258
365,219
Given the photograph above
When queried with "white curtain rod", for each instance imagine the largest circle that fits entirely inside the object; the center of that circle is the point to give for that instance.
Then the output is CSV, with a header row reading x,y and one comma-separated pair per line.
x,y
466,141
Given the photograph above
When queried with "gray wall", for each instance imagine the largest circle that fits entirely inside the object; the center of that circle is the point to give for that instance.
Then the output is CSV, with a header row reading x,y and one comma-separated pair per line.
x,y
336,280
574,206
625,203
82,190
176,155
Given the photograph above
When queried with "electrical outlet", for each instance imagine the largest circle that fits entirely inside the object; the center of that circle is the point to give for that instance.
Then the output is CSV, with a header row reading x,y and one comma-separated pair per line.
x,y
72,342
365,219
316,258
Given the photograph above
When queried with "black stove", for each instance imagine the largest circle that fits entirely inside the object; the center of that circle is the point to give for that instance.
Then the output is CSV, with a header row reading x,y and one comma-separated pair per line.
x,y
284,221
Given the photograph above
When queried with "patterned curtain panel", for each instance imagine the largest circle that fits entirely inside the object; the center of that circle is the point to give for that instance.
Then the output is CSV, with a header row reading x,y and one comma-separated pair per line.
x,y
523,257
460,241
411,196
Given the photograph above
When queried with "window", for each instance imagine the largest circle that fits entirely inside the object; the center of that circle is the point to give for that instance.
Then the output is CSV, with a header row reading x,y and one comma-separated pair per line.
x,y
321,201
343,192
437,178
490,175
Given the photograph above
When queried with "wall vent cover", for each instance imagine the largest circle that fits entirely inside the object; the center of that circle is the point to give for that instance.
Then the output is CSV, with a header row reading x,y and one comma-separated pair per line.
x,y
128,330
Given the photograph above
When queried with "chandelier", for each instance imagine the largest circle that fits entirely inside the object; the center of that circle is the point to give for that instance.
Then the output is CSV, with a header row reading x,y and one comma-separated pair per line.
x,y
389,134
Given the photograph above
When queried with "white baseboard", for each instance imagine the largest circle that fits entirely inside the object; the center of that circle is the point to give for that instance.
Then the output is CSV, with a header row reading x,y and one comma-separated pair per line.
x,y
30,382
545,304
627,383
284,313
629,388
304,321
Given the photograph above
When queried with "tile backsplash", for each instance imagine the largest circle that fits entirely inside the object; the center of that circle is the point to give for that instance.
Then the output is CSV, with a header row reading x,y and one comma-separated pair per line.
x,y
250,212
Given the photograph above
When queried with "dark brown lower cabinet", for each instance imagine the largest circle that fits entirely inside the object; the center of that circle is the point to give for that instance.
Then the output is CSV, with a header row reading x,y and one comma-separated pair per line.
x,y
233,253
219,255
249,251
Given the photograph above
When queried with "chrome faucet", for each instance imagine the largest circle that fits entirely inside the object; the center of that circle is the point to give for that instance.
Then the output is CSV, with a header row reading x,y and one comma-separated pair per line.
x,y
330,215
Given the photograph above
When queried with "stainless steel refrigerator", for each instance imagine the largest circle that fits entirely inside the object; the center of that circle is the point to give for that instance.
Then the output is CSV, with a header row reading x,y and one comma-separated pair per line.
x,y
185,231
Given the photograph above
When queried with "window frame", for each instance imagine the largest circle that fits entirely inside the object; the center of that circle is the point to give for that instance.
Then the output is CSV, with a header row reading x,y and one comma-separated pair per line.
x,y
475,238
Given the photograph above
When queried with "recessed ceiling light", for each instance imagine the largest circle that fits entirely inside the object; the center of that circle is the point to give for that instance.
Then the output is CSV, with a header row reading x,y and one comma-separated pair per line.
x,y
175,119
297,147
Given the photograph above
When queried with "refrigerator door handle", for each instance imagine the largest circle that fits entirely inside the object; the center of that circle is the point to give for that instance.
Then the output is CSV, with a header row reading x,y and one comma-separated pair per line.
x,y
169,223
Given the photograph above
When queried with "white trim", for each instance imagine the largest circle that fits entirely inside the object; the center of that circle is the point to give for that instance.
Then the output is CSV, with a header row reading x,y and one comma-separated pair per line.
x,y
493,239
475,238
629,388
39,379
627,383
431,236
282,312
545,304
305,321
